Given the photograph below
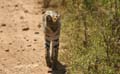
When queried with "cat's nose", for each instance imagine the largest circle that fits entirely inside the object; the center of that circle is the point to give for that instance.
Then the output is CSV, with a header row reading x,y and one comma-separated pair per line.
x,y
54,18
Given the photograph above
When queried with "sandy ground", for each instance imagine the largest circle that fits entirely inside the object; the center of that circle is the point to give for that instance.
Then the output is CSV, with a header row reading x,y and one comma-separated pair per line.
x,y
21,38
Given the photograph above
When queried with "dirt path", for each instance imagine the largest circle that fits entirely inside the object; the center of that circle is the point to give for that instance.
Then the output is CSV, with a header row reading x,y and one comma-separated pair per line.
x,y
21,37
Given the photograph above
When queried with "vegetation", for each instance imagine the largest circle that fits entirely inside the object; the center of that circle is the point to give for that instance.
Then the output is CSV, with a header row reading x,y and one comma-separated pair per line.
x,y
90,35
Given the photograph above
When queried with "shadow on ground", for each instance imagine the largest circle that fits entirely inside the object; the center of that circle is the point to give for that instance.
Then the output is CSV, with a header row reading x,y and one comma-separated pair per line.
x,y
61,69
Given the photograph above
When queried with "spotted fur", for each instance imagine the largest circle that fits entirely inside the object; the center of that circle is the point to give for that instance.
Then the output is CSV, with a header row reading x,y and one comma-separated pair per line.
x,y
51,27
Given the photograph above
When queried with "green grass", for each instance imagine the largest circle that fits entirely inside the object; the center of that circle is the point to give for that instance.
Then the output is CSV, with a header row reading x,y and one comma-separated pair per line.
x,y
82,60
91,60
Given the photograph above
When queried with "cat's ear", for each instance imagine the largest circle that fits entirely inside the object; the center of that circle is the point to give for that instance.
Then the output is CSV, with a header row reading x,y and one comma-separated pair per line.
x,y
59,15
